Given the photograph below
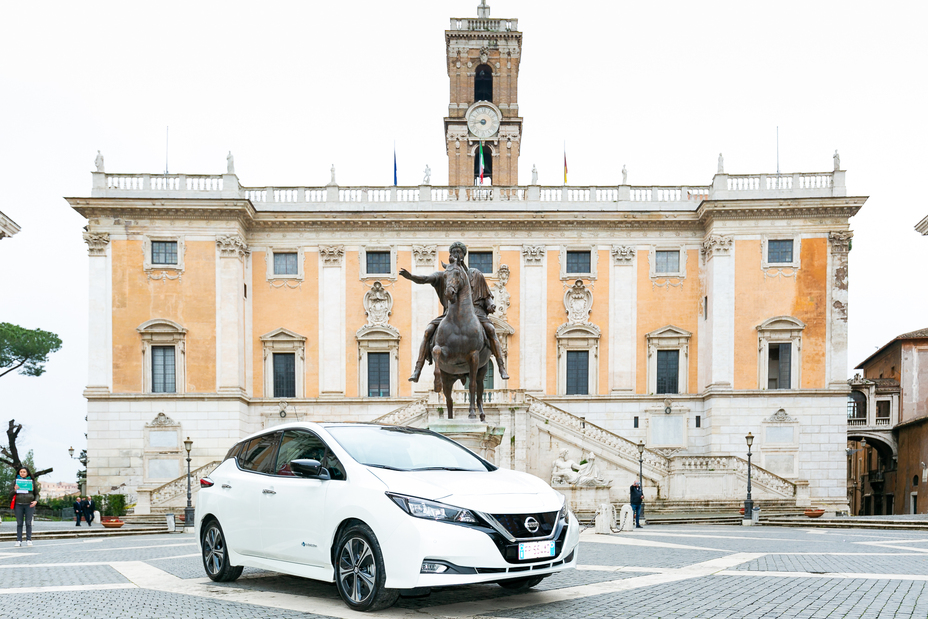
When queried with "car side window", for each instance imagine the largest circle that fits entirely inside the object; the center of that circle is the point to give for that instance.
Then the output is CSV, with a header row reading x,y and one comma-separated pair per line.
x,y
296,445
233,452
259,454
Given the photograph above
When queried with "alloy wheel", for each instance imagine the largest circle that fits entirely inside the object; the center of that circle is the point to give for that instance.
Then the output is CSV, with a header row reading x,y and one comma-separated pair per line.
x,y
357,570
213,550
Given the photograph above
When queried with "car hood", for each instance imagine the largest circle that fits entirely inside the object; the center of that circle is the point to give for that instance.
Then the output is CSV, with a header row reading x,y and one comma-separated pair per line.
x,y
495,492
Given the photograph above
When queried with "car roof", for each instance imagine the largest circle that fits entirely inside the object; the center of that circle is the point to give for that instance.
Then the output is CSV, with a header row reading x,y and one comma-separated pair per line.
x,y
309,425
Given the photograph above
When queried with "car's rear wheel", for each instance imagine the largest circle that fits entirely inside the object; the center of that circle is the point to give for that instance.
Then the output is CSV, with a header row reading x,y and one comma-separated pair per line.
x,y
359,570
520,584
216,555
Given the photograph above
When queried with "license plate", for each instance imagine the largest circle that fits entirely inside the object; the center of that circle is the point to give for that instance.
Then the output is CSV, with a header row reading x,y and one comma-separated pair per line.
x,y
536,550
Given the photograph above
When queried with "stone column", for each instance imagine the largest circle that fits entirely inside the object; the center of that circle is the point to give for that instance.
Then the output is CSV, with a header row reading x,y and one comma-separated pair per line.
x,y
533,318
100,332
425,307
623,293
720,328
840,245
332,320
230,317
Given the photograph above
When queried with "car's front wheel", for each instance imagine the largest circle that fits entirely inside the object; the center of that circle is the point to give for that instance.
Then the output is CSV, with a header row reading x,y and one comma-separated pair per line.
x,y
216,555
520,584
359,570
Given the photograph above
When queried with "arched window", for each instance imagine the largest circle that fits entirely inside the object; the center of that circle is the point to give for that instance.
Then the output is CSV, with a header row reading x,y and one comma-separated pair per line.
x,y
856,405
483,83
487,164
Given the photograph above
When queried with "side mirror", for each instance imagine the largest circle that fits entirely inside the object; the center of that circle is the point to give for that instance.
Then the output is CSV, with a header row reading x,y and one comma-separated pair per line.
x,y
310,469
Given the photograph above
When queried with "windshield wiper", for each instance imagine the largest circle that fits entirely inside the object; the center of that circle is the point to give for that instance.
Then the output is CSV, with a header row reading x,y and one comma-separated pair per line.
x,y
444,468
384,466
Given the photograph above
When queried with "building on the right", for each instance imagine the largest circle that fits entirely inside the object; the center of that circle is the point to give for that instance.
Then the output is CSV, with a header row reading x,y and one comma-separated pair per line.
x,y
888,429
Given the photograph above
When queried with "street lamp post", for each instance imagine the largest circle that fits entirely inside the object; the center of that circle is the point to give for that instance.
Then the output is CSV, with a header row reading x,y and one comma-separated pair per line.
x,y
83,459
188,511
640,463
748,503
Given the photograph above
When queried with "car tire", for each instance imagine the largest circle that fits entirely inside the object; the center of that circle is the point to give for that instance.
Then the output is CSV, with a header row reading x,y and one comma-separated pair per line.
x,y
359,570
520,584
216,555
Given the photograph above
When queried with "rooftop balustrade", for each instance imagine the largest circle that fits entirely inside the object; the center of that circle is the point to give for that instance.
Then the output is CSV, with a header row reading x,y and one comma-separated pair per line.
x,y
428,197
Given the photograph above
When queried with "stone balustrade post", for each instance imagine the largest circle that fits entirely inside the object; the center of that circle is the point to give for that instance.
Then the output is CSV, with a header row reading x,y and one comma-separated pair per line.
x,y
838,186
331,193
625,193
231,188
534,193
425,195
99,183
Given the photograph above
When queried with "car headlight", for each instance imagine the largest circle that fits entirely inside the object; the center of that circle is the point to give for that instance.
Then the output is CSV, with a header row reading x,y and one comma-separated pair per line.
x,y
430,510
562,515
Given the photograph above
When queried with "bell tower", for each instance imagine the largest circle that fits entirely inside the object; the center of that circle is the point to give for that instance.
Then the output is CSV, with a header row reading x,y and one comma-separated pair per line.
x,y
483,57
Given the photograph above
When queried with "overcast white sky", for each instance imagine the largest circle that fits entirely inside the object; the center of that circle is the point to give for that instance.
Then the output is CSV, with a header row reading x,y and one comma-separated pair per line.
x,y
293,87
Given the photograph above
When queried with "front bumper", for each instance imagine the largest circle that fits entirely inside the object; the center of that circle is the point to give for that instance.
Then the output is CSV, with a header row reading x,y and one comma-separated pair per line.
x,y
482,555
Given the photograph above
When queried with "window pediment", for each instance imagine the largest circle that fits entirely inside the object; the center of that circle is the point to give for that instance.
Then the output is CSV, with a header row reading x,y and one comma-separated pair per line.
x,y
282,335
669,332
160,325
781,323
378,332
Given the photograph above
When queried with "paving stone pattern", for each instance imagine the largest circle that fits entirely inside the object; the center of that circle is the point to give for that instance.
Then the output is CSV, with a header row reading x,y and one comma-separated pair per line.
x,y
616,555
134,604
824,564
59,576
732,597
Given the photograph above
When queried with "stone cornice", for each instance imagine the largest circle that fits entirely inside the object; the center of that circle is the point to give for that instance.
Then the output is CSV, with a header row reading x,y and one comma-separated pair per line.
x,y
8,227
922,226
794,208
168,208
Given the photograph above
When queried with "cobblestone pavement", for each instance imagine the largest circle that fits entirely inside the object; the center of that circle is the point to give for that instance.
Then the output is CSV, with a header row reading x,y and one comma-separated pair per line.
x,y
658,572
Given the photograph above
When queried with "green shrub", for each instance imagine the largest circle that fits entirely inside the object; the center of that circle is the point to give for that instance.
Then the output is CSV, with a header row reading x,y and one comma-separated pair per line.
x,y
115,505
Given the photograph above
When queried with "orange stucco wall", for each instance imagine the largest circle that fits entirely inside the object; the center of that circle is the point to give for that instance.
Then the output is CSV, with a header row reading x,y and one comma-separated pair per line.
x,y
600,317
761,297
296,309
189,301
659,306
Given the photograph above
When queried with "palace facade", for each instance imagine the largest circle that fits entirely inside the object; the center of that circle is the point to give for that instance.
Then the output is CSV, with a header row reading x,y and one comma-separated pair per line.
x,y
683,317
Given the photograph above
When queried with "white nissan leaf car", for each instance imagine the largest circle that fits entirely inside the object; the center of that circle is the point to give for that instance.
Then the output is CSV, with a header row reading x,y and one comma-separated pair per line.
x,y
379,510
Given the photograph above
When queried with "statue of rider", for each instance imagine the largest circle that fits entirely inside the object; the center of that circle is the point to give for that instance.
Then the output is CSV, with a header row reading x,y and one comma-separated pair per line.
x,y
483,305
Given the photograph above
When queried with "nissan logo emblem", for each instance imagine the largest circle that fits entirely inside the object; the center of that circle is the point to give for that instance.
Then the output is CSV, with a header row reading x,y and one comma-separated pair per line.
x,y
531,525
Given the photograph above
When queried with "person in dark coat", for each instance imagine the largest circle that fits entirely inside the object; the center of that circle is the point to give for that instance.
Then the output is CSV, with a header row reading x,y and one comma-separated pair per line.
x,y
87,506
635,498
78,511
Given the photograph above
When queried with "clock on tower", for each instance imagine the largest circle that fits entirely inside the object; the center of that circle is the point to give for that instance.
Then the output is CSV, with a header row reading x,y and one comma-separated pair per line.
x,y
483,67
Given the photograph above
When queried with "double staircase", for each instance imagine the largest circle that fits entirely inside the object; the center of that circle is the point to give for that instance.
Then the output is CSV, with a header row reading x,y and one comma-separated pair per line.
x,y
171,496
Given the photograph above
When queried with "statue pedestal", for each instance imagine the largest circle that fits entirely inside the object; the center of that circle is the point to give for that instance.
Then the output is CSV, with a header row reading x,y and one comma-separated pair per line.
x,y
480,438
584,499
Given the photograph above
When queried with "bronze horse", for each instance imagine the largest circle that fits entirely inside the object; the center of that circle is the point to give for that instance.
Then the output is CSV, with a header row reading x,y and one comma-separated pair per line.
x,y
461,350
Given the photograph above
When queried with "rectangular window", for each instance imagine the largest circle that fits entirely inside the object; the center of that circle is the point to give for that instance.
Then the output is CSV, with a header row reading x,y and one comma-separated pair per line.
x,y
378,374
488,378
260,454
778,366
578,262
698,421
162,369
578,372
284,375
779,251
667,262
285,264
635,422
378,262
481,260
705,308
668,371
882,410
164,252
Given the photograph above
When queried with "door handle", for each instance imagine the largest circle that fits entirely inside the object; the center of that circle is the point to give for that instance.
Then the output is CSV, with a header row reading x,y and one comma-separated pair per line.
x,y
267,491
226,486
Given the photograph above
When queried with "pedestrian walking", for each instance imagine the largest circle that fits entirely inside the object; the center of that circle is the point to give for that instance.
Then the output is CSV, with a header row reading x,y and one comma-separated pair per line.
x,y
25,497
88,506
78,511
635,499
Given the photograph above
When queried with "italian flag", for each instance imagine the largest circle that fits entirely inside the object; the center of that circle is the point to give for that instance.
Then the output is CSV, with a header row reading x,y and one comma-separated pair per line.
x,y
481,163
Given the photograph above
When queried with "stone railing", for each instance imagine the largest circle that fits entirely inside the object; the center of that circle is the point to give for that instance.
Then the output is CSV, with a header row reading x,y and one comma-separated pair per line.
x,y
484,23
425,197
406,415
171,490
739,466
614,443
498,397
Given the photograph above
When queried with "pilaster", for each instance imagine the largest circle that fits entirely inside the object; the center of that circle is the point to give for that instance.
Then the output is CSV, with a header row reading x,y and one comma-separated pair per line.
x,y
425,307
839,244
623,293
100,313
718,251
533,317
230,326
332,299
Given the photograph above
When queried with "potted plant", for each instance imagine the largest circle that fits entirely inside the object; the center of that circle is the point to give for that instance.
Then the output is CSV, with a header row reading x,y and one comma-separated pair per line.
x,y
814,513
114,508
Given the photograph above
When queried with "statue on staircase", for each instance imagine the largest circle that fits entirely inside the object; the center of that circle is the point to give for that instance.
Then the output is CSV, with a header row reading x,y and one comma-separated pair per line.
x,y
566,472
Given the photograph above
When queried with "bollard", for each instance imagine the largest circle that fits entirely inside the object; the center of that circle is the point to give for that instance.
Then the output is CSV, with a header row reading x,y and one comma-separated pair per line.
x,y
755,515
172,526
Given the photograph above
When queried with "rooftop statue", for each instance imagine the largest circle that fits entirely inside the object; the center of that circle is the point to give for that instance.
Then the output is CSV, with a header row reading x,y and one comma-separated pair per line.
x,y
98,162
230,163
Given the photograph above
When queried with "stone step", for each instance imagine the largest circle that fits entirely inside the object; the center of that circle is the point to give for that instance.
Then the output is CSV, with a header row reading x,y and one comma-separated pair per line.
x,y
101,532
847,523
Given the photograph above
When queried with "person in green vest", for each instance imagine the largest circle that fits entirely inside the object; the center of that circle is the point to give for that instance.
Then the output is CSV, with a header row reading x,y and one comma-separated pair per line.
x,y
26,496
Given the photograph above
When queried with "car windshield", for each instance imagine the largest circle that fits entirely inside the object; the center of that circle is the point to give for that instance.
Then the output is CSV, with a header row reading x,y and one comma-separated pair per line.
x,y
405,449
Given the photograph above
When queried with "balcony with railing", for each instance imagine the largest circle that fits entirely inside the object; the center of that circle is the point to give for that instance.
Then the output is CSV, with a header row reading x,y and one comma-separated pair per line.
x,y
333,197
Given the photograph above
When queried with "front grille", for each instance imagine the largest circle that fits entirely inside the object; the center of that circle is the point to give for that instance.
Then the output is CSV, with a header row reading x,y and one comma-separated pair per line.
x,y
515,524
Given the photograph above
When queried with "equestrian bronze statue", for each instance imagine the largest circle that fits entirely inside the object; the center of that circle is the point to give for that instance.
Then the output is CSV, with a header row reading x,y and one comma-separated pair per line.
x,y
467,335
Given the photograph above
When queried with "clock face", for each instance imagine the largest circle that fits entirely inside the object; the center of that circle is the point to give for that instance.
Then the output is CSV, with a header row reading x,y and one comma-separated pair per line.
x,y
483,121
